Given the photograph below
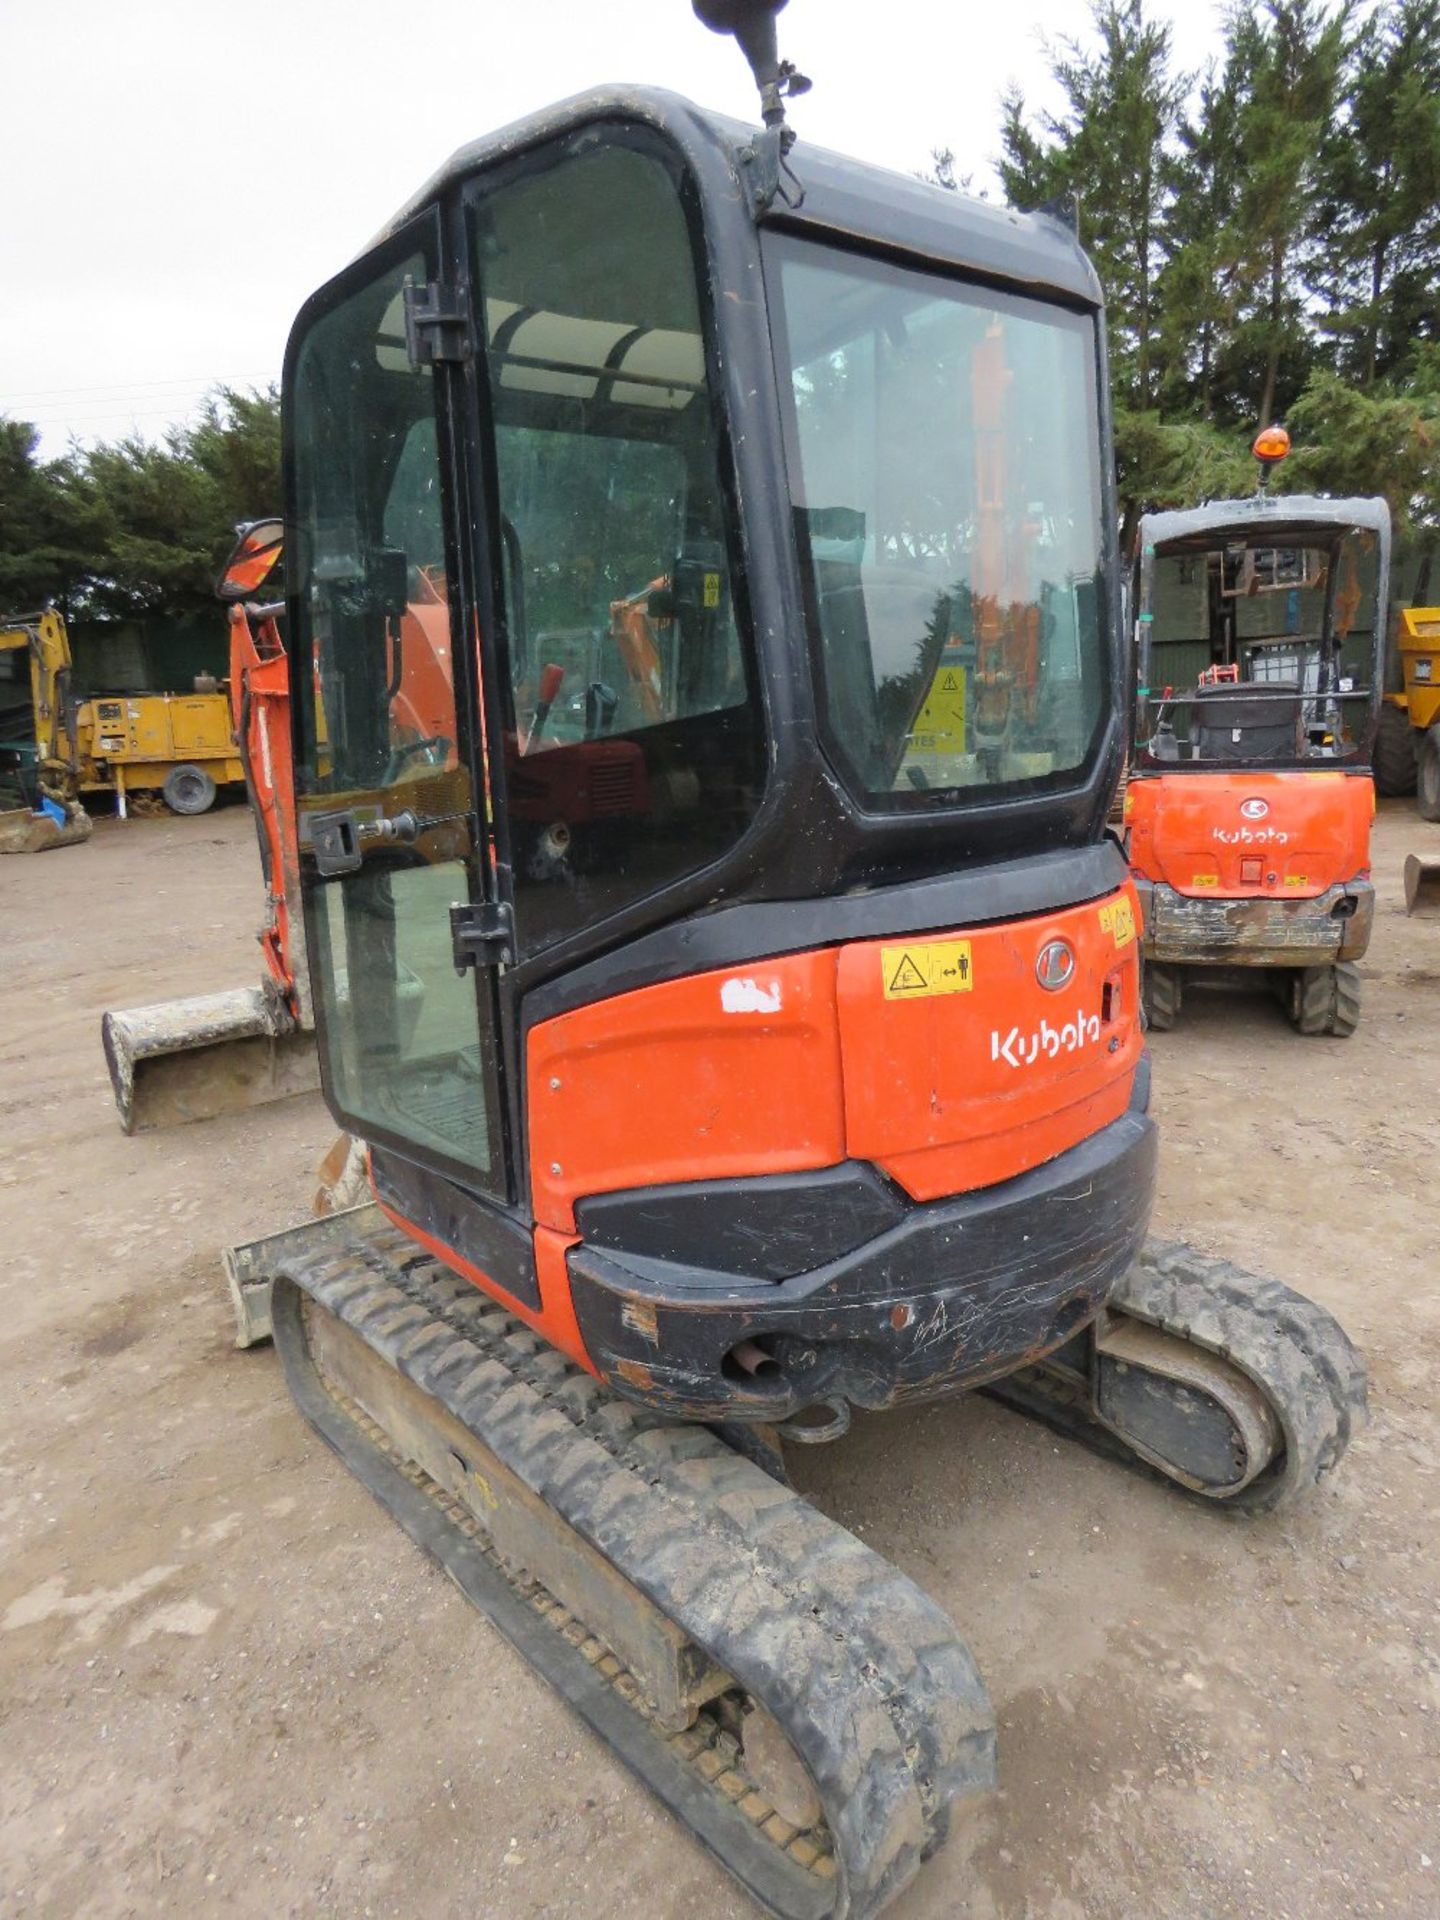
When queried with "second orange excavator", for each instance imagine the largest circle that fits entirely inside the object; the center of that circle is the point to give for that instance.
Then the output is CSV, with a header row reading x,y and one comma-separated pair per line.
x,y
1260,628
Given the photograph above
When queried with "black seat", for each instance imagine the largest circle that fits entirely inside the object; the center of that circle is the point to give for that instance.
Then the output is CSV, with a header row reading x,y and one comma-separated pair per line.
x,y
1247,720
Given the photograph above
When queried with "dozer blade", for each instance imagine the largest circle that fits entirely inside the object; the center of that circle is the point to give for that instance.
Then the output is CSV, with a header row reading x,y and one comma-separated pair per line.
x,y
184,1060
803,1709
22,831
1422,886
250,1268
1234,1387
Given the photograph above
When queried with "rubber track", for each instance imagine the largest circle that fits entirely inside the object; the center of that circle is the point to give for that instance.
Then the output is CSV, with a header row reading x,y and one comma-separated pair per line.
x,y
864,1673
1295,1352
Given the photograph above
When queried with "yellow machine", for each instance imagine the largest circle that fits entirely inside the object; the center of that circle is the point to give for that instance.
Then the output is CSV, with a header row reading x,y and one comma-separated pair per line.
x,y
1408,752
179,743
47,775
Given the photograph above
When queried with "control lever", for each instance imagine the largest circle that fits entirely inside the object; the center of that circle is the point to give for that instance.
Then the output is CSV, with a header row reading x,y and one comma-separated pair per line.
x,y
601,700
551,678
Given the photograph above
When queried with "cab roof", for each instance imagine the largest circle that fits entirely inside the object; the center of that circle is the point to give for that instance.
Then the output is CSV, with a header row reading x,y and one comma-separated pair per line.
x,y
843,199
1267,517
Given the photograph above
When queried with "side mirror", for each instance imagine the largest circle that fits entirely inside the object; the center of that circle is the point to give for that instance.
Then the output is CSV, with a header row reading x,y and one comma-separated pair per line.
x,y
256,555
753,24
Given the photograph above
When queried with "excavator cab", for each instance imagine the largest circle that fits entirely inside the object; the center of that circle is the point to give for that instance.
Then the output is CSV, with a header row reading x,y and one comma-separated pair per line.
x,y
708,685
1259,639
704,643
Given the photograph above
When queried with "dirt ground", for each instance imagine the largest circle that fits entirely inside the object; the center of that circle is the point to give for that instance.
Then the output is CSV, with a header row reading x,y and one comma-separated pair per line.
x,y
229,1685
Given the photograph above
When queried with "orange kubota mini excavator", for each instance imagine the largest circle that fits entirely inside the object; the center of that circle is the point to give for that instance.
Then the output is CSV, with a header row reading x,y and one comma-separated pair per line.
x,y
816,1080
1260,636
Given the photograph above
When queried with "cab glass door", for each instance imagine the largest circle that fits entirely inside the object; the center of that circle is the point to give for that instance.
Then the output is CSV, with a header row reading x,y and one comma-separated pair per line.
x,y
387,799
634,743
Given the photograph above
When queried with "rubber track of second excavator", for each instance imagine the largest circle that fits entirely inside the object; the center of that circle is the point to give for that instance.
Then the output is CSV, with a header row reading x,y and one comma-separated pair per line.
x,y
863,1672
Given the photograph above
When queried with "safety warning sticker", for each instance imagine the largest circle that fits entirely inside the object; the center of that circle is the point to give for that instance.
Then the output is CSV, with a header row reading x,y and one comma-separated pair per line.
x,y
940,724
1118,920
926,967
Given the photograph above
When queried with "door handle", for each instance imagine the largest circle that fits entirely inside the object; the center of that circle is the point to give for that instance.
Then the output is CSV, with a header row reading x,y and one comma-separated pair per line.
x,y
339,840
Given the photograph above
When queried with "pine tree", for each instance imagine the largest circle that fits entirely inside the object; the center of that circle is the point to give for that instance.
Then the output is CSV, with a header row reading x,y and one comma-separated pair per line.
x,y
1352,439
1282,128
135,527
1198,283
1376,269
1109,148
50,525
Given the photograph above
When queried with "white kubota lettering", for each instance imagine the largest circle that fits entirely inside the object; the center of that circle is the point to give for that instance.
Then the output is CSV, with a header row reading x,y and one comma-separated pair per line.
x,y
1250,837
1019,1049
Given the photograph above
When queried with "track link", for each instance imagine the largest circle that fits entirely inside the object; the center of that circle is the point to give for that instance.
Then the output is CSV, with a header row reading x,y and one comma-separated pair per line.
x,y
864,1675
1288,1346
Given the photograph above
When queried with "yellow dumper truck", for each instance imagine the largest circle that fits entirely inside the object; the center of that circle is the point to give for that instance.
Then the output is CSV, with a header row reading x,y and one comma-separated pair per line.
x,y
1411,719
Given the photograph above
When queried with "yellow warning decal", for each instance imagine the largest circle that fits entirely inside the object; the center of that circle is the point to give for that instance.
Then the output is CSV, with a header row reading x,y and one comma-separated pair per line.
x,y
925,968
1206,880
711,592
940,724
1118,920
1296,880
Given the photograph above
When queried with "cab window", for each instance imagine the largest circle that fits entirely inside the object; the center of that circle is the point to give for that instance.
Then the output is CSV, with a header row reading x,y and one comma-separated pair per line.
x,y
632,745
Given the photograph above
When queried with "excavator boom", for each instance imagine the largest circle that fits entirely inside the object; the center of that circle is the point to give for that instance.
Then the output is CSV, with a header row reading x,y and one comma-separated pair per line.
x,y
213,1053
55,817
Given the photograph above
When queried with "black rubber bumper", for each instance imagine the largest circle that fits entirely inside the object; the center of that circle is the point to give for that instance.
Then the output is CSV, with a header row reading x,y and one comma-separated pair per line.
x,y
951,1295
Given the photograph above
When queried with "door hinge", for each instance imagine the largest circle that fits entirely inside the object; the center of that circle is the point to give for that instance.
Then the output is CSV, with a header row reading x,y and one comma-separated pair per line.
x,y
482,934
437,323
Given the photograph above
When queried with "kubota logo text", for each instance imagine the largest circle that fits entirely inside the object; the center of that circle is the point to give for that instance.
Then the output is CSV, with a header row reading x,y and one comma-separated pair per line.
x,y
1247,837
1044,1042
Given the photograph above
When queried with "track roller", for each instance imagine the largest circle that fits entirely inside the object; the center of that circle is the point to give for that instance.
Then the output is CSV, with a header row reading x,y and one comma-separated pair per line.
x,y
1233,1386
806,1711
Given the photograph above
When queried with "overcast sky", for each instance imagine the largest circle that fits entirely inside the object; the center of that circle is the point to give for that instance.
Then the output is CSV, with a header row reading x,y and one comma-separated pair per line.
x,y
180,174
